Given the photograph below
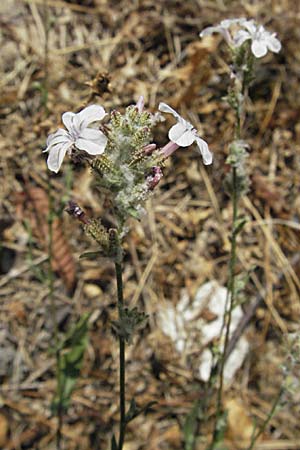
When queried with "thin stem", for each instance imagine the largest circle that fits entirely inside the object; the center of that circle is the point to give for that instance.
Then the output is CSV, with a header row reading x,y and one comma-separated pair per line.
x,y
53,313
231,281
230,299
118,268
267,420
46,23
229,305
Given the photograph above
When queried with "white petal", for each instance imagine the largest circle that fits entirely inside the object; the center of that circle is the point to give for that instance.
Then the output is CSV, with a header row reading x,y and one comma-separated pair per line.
x,y
274,44
250,26
241,37
91,147
210,30
181,135
89,115
163,107
228,22
204,150
92,135
53,138
259,48
67,119
56,156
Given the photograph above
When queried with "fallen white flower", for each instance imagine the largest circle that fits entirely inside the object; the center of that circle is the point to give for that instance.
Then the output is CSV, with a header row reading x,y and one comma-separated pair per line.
x,y
190,332
78,133
262,40
184,134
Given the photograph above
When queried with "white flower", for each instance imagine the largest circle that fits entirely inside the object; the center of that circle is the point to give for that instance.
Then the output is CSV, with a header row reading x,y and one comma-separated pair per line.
x,y
223,28
262,40
184,134
78,133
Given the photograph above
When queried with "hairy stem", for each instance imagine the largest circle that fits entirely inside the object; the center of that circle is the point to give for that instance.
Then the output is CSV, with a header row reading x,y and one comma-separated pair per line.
x,y
118,268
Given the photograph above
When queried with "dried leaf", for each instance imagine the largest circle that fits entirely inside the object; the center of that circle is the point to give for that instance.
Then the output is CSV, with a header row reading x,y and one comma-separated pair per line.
x,y
33,205
3,430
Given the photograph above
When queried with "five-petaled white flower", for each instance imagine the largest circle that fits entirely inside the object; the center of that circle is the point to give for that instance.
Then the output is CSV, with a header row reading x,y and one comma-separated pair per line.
x,y
184,134
262,40
78,134
223,28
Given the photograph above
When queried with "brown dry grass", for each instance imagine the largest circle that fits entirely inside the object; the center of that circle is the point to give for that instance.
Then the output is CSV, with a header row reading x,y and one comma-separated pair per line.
x,y
152,49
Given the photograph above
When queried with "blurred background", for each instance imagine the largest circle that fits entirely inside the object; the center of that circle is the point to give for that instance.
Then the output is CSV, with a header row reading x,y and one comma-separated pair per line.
x,y
60,55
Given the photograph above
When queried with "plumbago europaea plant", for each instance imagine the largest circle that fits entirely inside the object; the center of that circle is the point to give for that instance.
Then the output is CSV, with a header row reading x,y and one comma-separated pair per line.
x,y
247,42
127,166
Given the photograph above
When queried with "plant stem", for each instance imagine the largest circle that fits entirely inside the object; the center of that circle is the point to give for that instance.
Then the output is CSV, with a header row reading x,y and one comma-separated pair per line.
x,y
53,312
231,281
230,299
229,305
118,268
267,420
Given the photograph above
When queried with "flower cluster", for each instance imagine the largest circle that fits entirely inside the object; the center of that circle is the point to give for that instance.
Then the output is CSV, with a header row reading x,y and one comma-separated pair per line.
x,y
238,31
126,164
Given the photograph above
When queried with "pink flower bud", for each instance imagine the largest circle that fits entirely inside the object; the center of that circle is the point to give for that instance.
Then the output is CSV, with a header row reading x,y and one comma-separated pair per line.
x,y
154,178
140,104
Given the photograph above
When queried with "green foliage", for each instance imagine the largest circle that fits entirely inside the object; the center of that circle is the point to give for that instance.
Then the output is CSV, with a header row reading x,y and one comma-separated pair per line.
x,y
91,255
220,429
71,352
190,426
114,445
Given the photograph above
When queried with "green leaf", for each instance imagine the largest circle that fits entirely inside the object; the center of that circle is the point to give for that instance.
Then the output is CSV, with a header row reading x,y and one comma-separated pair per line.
x,y
114,445
91,255
135,411
240,223
71,353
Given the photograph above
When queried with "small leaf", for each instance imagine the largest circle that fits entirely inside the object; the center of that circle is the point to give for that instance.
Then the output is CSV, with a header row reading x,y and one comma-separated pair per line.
x,y
240,225
71,353
132,412
90,255
114,445
135,411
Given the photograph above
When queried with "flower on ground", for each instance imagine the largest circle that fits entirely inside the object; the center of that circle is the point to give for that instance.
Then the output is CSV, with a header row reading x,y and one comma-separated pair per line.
x,y
184,134
262,40
223,28
78,134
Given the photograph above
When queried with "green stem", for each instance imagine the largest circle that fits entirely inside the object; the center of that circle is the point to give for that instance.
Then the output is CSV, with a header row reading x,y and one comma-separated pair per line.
x,y
231,282
54,314
118,268
267,420
230,300
229,305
